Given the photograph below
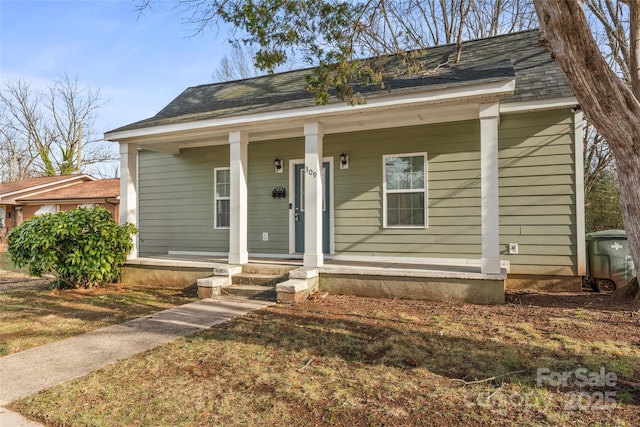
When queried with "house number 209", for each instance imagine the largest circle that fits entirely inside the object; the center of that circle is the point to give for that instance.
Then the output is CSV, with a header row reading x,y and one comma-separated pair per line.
x,y
311,172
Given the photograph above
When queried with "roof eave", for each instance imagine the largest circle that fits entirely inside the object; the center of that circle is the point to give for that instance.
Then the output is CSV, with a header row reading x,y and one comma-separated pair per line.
x,y
71,200
37,189
538,105
490,89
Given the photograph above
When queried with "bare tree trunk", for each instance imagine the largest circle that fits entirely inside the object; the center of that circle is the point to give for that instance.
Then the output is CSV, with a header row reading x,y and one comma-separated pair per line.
x,y
634,55
608,103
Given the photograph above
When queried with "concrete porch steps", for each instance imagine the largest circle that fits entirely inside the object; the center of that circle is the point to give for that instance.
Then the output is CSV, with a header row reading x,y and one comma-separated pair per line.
x,y
257,281
259,292
264,268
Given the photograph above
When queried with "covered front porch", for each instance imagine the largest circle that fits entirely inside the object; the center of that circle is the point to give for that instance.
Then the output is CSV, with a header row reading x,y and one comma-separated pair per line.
x,y
307,156
464,283
374,261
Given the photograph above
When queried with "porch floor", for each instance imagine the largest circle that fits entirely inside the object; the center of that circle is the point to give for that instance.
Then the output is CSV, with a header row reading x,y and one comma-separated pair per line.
x,y
443,282
331,266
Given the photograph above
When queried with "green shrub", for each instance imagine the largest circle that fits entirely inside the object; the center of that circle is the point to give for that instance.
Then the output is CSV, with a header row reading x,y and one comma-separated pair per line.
x,y
82,247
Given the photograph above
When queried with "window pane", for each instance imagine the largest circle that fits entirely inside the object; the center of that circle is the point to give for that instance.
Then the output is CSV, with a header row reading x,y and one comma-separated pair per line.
x,y
417,179
392,217
404,173
393,201
417,163
418,209
405,209
395,169
222,211
222,183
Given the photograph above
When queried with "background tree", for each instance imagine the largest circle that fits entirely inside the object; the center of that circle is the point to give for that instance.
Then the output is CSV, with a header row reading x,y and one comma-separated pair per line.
x,y
609,23
52,132
240,65
15,160
335,35
608,101
603,209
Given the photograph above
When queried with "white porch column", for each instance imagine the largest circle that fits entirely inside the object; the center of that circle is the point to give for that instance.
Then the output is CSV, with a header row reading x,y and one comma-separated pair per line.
x,y
313,256
580,213
129,189
238,142
489,121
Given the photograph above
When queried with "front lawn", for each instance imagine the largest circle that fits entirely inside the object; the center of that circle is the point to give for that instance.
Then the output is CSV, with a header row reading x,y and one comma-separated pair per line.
x,y
6,266
32,317
540,359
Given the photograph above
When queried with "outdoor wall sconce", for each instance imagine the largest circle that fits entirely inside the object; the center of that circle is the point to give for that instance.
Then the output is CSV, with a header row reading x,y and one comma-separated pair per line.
x,y
278,164
344,161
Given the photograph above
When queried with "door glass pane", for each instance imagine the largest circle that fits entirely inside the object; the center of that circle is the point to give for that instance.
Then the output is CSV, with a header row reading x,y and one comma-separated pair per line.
x,y
301,189
324,193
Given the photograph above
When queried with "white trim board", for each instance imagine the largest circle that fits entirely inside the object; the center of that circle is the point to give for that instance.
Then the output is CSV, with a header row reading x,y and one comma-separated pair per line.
x,y
544,104
224,254
461,262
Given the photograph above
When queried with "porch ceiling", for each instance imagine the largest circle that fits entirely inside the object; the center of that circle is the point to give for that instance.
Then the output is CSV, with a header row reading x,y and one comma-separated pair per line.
x,y
357,121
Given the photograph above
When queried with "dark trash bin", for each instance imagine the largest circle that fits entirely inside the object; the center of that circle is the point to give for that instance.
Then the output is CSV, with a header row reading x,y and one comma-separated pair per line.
x,y
609,262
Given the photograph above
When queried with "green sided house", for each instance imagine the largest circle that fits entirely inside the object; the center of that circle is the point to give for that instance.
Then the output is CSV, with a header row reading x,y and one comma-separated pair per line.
x,y
460,180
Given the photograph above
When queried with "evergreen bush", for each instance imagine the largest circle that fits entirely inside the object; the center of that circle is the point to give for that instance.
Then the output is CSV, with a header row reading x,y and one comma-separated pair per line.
x,y
82,247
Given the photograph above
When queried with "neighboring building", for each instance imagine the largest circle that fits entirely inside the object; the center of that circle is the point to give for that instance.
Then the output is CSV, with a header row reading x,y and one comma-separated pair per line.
x,y
21,200
477,164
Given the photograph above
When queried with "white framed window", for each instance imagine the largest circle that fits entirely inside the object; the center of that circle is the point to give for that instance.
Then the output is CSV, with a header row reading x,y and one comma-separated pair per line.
x,y
222,193
405,190
87,205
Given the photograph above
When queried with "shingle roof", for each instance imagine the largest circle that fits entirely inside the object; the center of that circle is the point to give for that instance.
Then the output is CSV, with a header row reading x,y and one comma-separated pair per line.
x,y
42,181
537,77
99,189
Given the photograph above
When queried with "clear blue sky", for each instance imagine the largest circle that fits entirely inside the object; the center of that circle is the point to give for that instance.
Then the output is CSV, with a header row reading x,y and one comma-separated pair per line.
x,y
139,63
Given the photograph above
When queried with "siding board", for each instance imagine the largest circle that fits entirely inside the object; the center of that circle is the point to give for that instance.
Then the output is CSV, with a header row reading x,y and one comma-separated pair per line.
x,y
537,192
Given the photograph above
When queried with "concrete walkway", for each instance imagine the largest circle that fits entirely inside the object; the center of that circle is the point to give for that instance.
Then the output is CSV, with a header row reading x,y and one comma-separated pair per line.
x,y
28,372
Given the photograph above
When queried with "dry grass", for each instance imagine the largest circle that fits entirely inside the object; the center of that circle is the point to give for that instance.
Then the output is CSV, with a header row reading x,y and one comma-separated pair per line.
x,y
33,317
7,266
348,361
